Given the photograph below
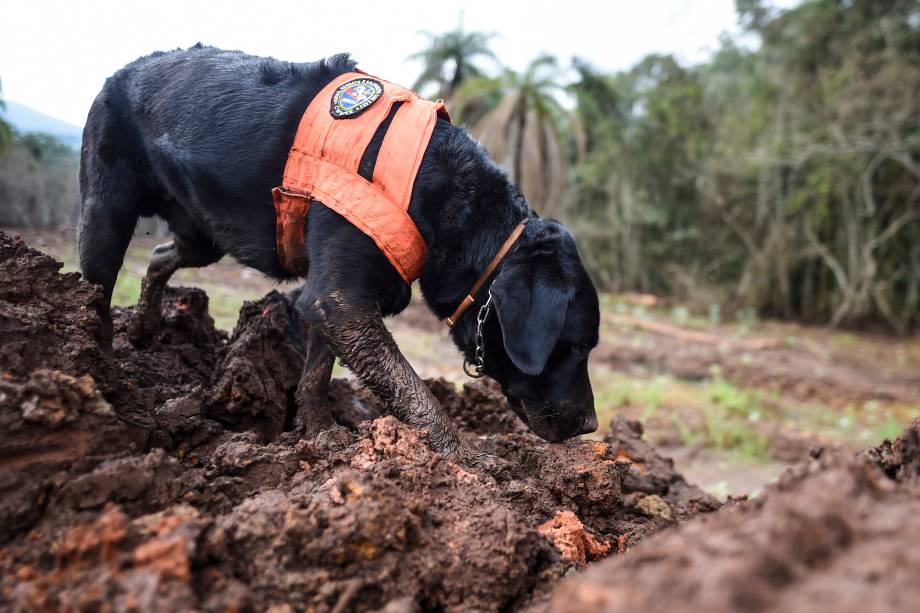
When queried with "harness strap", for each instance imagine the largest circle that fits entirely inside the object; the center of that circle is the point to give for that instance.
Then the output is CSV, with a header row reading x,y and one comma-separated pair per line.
x,y
323,165
400,155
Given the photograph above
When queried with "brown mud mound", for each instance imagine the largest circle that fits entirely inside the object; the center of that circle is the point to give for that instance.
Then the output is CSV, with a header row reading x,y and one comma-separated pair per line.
x,y
838,534
167,478
47,320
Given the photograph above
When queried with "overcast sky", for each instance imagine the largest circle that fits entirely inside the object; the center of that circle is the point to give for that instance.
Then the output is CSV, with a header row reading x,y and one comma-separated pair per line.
x,y
55,55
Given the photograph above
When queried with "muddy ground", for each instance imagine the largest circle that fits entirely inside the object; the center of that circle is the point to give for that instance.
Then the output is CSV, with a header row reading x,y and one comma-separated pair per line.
x,y
837,534
167,478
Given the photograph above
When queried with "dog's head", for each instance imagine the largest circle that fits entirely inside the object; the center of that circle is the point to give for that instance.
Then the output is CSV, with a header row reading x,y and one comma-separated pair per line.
x,y
544,323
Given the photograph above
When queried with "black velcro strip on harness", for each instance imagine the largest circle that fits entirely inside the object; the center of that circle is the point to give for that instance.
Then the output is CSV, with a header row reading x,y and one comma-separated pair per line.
x,y
369,158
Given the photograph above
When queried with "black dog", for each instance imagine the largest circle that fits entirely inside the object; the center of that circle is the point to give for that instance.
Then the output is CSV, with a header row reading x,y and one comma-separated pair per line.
x,y
200,136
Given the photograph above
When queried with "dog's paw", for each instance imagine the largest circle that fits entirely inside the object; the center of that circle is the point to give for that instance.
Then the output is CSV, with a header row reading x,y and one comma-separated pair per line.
x,y
311,420
480,461
333,437
143,327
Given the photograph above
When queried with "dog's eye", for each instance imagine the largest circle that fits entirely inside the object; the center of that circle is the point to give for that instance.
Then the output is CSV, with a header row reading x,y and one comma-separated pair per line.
x,y
581,349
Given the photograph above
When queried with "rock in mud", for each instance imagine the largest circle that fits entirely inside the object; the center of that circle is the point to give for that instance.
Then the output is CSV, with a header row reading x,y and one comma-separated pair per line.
x,y
572,540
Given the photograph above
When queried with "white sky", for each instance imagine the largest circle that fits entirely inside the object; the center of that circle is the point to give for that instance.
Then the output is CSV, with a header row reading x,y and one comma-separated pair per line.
x,y
55,55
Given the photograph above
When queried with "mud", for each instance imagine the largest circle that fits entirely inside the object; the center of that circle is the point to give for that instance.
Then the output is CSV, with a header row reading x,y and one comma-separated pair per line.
x,y
836,534
168,477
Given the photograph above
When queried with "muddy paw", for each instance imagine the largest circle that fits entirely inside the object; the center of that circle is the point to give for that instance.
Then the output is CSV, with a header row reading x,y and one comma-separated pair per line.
x,y
310,421
482,462
334,437
143,327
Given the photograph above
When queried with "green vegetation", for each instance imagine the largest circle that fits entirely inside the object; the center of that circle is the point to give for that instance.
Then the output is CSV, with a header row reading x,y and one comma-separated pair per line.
x,y
718,414
38,179
450,59
779,181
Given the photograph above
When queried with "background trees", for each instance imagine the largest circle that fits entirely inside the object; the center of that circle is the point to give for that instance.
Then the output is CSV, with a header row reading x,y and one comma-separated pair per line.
x,y
519,119
782,177
450,59
38,182
38,179
822,185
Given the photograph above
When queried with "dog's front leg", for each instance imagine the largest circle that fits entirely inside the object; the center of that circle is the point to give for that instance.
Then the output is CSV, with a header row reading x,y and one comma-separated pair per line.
x,y
364,344
313,411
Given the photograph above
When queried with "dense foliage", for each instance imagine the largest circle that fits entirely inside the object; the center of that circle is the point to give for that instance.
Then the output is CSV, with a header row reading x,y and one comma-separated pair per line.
x,y
782,175
38,180
38,183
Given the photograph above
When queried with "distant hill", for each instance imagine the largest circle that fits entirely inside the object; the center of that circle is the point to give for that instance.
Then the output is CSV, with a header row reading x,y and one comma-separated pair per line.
x,y
26,119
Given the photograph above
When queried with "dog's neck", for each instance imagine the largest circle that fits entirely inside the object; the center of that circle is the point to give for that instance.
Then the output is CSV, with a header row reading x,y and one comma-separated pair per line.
x,y
465,216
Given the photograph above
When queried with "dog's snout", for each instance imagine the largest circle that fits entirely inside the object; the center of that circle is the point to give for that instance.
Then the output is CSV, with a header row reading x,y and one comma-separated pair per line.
x,y
589,424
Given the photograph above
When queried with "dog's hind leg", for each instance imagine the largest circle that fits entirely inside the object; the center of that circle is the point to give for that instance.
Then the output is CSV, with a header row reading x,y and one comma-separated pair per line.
x,y
103,236
147,314
192,250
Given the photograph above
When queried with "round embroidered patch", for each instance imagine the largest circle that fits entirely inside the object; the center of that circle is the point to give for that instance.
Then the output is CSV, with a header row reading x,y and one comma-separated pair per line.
x,y
354,97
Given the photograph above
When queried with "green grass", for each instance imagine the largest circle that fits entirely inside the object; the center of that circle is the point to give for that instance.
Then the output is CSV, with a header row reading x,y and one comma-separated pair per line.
x,y
727,413
224,308
727,434
127,290
718,414
616,390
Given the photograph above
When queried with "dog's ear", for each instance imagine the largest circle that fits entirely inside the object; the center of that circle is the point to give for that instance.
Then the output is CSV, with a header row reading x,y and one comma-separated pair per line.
x,y
531,298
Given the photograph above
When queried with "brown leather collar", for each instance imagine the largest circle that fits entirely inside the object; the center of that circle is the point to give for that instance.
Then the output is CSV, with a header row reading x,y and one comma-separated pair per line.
x,y
502,252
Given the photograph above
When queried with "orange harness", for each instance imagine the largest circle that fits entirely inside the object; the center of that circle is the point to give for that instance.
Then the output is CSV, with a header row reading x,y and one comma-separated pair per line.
x,y
323,165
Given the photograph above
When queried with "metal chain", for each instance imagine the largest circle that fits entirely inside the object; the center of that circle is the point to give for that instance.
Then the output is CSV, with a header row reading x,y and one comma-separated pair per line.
x,y
480,356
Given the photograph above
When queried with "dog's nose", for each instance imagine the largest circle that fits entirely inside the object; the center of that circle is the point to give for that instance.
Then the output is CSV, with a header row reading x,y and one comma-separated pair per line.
x,y
589,424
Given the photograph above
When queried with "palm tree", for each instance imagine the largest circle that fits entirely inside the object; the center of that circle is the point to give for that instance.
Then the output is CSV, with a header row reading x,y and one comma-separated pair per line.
x,y
450,59
519,119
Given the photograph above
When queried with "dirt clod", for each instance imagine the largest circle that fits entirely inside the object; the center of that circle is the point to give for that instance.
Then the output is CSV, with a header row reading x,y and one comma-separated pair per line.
x,y
572,540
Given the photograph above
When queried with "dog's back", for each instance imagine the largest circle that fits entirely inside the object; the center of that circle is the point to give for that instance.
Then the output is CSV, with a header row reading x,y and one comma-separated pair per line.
x,y
198,137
